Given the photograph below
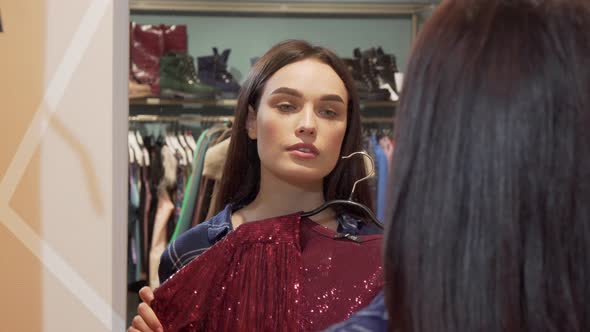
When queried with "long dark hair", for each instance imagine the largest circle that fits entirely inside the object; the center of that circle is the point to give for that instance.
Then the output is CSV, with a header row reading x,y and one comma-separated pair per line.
x,y
241,174
490,227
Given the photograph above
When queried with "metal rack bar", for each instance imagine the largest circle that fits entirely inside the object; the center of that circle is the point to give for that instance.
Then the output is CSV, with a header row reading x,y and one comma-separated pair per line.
x,y
172,118
205,118
294,8
377,120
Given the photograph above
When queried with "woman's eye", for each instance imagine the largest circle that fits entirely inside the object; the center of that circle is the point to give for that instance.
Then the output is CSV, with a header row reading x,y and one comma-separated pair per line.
x,y
285,107
328,113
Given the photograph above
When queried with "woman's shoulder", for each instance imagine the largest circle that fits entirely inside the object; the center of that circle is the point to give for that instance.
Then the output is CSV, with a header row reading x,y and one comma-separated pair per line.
x,y
193,243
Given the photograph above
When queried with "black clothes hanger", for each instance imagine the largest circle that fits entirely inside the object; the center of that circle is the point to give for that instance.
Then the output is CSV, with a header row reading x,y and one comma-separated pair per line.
x,y
350,202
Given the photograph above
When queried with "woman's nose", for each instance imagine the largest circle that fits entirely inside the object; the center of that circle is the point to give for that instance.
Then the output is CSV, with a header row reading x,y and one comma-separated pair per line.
x,y
307,123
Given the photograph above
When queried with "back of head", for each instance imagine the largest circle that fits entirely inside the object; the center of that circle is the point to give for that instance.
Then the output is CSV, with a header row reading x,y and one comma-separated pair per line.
x,y
490,229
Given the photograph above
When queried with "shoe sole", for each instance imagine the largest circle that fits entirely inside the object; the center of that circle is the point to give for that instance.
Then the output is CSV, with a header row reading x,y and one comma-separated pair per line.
x,y
185,95
229,95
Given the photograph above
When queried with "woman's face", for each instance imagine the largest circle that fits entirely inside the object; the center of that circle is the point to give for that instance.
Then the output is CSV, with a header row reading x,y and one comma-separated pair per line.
x,y
301,121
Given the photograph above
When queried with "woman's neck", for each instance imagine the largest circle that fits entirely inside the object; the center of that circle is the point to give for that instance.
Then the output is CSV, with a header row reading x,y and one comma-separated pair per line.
x,y
278,197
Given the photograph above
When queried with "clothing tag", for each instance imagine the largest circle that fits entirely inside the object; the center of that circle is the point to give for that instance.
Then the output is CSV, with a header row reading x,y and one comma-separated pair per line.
x,y
353,238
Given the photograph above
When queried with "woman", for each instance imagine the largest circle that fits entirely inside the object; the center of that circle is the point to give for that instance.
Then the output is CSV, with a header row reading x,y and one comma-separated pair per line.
x,y
297,115
490,228
491,187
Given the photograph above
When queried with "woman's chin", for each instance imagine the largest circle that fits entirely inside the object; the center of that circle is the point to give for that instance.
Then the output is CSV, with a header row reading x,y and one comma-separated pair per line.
x,y
306,177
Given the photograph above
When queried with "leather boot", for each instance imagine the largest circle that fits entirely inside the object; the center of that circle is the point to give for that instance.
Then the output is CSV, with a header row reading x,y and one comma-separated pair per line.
x,y
179,79
138,90
213,71
354,67
175,38
386,67
146,48
369,76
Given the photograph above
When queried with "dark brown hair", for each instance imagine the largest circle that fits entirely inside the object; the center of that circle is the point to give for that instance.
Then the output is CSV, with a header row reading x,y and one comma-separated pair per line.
x,y
490,229
241,174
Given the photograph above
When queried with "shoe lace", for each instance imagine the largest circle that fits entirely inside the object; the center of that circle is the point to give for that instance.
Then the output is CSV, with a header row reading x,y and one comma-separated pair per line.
x,y
189,68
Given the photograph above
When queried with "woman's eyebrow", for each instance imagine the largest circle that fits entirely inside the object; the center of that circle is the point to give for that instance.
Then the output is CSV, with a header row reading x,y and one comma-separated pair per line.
x,y
288,91
296,93
332,98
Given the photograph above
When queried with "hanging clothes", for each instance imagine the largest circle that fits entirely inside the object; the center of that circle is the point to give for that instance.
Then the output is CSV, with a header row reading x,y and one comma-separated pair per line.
x,y
145,209
205,187
179,193
192,191
157,194
205,200
155,177
388,147
382,177
213,169
187,208
134,233
164,213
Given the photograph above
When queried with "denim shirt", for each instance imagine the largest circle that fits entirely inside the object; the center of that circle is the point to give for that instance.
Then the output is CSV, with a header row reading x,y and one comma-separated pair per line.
x,y
198,239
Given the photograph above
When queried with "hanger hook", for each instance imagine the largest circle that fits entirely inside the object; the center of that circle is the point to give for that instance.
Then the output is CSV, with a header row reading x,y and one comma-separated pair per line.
x,y
371,172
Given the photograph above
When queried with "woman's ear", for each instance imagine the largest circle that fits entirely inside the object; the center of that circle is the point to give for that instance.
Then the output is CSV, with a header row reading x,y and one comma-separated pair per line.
x,y
251,123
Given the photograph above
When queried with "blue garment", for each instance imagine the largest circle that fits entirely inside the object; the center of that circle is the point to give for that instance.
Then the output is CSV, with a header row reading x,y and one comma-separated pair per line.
x,y
382,175
198,239
372,318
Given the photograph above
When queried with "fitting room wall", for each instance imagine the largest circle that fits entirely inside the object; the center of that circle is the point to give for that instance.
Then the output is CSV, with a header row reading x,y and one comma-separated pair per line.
x,y
63,164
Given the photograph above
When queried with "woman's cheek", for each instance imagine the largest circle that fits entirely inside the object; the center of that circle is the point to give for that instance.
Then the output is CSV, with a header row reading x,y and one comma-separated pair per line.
x,y
336,139
268,129
338,136
267,132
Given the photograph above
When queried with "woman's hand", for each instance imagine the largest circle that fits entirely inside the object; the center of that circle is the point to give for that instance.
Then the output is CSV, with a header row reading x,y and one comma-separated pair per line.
x,y
146,320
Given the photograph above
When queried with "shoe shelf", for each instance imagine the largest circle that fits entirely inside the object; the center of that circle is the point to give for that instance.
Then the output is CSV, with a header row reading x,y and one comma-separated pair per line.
x,y
183,102
371,111
181,107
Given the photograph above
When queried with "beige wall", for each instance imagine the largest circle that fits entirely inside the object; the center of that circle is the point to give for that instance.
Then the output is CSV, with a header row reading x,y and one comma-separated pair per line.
x,y
62,164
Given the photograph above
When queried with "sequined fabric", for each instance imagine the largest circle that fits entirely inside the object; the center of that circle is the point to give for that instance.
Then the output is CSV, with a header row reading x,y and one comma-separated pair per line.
x,y
280,274
340,276
249,281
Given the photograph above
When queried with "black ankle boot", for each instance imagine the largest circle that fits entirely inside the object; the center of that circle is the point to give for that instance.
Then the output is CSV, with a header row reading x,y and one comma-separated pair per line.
x,y
365,59
213,71
354,67
386,67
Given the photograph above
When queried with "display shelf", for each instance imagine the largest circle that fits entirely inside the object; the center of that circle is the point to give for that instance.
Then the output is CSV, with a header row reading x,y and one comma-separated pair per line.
x,y
183,102
225,107
151,101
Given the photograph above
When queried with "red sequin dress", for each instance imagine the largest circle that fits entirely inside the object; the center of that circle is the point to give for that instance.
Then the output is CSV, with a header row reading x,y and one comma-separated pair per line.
x,y
281,274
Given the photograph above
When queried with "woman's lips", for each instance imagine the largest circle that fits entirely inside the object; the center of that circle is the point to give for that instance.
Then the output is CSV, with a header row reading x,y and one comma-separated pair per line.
x,y
303,150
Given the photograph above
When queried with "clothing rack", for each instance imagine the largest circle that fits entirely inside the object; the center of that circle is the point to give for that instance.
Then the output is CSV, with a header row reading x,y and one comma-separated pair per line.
x,y
214,118
377,120
174,118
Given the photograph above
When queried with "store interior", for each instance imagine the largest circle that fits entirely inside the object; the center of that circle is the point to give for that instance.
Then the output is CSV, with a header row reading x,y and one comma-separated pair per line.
x,y
187,62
